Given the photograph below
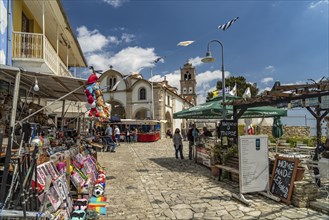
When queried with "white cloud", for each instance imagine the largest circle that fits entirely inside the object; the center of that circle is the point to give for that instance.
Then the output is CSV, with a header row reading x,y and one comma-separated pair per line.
x,y
127,38
267,80
270,68
209,76
196,61
113,40
115,3
3,18
131,59
318,3
91,41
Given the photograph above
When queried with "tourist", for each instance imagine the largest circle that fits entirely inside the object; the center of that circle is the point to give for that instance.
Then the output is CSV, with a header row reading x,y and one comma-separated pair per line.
x,y
206,132
177,139
192,136
168,133
127,134
108,138
117,135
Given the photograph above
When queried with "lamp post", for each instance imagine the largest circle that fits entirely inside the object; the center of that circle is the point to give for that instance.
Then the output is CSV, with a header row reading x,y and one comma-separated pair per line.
x,y
209,59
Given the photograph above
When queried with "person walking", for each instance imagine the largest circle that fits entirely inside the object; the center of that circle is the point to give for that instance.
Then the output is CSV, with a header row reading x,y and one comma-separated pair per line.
x,y
192,135
178,144
127,134
108,138
117,135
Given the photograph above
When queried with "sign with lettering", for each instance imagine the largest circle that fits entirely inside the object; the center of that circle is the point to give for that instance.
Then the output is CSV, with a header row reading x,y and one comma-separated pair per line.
x,y
253,163
229,128
283,176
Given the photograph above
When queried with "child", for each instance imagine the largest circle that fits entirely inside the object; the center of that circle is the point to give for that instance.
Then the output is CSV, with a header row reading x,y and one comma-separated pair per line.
x,y
177,139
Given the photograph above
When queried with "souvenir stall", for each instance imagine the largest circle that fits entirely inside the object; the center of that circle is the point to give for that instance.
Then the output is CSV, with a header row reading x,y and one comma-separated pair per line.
x,y
49,175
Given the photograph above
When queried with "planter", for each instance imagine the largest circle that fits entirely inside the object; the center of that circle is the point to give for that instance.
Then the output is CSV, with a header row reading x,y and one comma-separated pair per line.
x,y
214,171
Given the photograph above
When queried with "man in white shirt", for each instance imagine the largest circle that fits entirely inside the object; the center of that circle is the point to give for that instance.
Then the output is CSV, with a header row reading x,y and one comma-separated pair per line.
x,y
109,140
117,135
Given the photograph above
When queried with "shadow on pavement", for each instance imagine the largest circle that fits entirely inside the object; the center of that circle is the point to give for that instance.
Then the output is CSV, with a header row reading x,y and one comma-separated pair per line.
x,y
179,165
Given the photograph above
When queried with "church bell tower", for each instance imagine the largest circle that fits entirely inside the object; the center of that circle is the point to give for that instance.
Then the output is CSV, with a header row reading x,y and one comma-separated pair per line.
x,y
188,83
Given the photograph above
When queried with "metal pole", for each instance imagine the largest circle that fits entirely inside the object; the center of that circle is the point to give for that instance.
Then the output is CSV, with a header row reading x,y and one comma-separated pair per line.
x,y
223,82
152,107
10,139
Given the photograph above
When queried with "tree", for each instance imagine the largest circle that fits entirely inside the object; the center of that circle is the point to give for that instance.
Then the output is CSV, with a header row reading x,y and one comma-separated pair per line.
x,y
240,83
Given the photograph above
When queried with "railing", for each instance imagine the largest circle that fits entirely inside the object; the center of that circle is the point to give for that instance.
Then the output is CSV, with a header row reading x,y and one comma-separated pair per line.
x,y
27,45
30,46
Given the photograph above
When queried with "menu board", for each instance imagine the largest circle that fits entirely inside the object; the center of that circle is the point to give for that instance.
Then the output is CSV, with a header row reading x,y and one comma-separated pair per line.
x,y
253,163
229,128
283,176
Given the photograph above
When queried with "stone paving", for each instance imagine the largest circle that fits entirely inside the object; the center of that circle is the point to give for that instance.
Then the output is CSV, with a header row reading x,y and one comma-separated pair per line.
x,y
146,181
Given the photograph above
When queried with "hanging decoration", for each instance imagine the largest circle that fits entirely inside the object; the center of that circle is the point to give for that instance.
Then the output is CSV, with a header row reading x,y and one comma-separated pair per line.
x,y
95,102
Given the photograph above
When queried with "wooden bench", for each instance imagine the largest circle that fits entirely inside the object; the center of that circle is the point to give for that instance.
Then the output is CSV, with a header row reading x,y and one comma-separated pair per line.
x,y
231,165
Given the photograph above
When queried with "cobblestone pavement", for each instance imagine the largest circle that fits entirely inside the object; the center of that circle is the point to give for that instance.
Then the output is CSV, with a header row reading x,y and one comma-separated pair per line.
x,y
146,181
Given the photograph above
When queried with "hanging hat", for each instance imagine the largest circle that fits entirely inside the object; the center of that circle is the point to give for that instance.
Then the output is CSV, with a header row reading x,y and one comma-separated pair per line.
x,y
92,79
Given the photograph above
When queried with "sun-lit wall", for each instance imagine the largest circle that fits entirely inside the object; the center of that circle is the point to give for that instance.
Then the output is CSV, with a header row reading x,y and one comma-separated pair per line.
x,y
18,8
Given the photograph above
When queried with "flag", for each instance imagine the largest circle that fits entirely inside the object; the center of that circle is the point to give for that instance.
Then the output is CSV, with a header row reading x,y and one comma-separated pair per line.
x,y
215,93
224,27
247,93
220,92
184,43
158,59
233,91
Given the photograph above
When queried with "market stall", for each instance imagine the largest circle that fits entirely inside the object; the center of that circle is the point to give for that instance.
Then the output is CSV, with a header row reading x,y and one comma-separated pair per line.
x,y
47,173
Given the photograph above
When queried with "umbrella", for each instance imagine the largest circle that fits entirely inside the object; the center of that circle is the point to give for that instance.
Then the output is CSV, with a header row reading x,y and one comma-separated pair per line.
x,y
277,130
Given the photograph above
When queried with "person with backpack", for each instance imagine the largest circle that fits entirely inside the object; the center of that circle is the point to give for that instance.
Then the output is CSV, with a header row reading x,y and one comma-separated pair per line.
x,y
192,135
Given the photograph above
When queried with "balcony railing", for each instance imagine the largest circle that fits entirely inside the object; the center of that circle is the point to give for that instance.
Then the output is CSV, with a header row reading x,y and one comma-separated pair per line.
x,y
30,46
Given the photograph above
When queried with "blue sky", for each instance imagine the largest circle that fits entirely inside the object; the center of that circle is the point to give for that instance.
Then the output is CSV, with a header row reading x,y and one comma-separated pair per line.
x,y
271,40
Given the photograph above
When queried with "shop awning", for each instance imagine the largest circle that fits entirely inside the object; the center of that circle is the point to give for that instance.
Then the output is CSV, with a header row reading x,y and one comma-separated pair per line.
x,y
51,86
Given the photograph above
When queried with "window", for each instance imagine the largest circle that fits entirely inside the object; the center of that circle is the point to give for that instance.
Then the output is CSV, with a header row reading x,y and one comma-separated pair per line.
x,y
190,90
142,94
112,82
168,100
184,90
185,76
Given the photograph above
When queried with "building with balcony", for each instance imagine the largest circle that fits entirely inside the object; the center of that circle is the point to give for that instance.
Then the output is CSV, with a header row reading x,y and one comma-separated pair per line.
x,y
38,37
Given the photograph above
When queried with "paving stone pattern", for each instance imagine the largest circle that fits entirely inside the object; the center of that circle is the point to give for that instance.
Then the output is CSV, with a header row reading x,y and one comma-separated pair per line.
x,y
146,181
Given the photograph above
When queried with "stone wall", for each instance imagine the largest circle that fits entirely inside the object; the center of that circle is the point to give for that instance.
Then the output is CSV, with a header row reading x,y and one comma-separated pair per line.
x,y
288,131
305,191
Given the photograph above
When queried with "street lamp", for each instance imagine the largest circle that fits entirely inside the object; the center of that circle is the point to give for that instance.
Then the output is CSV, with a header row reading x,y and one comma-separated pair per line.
x,y
209,59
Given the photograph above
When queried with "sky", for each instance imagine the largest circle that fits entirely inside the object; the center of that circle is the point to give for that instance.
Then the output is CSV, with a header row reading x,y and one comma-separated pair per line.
x,y
271,40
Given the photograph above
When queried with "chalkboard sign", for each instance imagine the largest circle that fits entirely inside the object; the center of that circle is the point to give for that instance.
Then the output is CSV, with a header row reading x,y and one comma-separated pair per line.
x,y
229,128
283,176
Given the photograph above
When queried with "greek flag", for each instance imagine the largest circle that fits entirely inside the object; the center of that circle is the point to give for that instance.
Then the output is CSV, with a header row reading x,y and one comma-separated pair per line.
x,y
224,27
